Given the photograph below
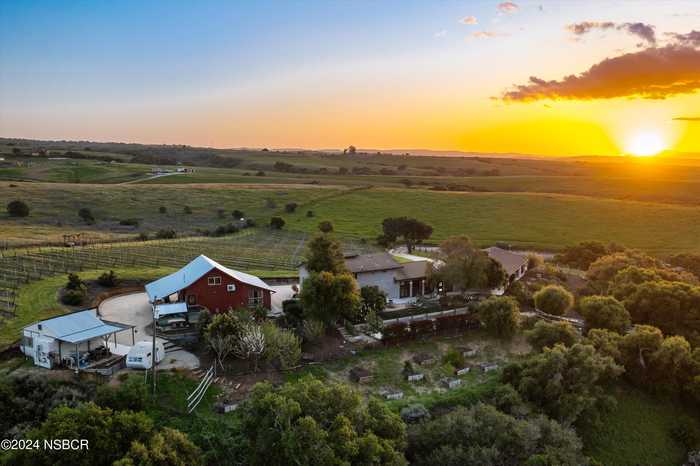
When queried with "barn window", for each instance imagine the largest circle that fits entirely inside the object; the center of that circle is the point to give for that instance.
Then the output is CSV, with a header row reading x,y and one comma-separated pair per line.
x,y
231,287
255,297
214,281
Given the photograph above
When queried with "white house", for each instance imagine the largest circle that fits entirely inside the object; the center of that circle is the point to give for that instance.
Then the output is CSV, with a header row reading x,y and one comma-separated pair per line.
x,y
514,264
402,282
71,339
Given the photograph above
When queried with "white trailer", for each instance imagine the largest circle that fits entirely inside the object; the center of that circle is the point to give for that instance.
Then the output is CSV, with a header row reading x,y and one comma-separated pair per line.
x,y
140,355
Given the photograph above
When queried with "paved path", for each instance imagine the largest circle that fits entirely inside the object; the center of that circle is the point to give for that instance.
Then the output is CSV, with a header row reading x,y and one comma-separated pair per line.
x,y
134,309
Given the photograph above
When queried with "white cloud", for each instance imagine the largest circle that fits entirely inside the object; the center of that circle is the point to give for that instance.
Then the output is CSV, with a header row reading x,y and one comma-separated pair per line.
x,y
508,7
442,33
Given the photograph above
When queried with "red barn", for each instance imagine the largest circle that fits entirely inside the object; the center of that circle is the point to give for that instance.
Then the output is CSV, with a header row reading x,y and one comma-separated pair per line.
x,y
204,282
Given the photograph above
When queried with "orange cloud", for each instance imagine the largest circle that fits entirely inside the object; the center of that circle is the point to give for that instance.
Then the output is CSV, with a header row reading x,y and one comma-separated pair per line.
x,y
469,20
488,34
653,73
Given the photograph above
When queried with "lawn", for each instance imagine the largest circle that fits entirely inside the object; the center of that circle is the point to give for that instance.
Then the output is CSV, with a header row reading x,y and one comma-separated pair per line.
x,y
545,221
638,432
39,300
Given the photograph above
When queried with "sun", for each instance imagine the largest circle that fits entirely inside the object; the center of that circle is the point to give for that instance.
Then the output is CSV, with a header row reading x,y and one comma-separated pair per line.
x,y
645,144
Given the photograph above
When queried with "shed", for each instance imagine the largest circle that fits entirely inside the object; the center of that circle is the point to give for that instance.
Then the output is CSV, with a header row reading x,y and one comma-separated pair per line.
x,y
73,339
488,366
424,359
360,375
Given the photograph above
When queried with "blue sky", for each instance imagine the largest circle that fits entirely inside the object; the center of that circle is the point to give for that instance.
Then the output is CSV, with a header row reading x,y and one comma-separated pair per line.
x,y
305,73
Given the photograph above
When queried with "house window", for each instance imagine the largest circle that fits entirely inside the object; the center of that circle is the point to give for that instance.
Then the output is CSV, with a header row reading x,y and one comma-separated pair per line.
x,y
255,297
214,281
27,341
405,289
191,299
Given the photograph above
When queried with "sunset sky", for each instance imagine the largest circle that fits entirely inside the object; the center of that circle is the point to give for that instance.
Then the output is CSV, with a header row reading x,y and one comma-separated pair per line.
x,y
554,78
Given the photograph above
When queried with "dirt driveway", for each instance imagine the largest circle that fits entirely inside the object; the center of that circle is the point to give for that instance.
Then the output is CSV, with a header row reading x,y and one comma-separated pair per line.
x,y
134,309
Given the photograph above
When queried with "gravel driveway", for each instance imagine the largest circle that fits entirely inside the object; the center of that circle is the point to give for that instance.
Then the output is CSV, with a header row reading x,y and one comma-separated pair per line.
x,y
134,309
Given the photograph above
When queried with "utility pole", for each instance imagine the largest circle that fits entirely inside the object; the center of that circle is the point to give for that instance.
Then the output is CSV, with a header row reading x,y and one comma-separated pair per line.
x,y
153,351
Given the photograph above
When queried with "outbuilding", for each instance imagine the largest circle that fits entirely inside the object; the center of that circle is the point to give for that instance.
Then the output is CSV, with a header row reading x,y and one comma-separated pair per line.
x,y
206,284
75,340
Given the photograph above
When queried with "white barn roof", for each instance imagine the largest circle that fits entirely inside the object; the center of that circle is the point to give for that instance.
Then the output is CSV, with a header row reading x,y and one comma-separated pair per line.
x,y
191,273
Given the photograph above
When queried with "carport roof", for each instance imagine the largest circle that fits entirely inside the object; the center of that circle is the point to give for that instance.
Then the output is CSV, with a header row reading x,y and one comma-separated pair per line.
x,y
77,327
172,308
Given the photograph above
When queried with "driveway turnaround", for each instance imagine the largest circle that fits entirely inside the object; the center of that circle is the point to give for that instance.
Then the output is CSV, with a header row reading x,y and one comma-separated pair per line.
x,y
134,309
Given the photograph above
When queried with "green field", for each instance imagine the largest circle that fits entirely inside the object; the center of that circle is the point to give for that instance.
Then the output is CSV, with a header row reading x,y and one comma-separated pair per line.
x,y
545,221
55,207
527,220
638,432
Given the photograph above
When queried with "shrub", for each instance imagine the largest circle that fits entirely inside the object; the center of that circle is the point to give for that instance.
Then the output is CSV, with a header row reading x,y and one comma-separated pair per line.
x,y
547,334
187,210
291,207
553,299
313,330
277,223
73,297
162,209
143,236
325,226
686,433
223,230
374,322
108,279
293,311
130,395
86,215
500,315
454,358
250,223
238,214
220,213
131,222
166,234
309,213
18,209
414,413
282,347
74,282
260,173
270,204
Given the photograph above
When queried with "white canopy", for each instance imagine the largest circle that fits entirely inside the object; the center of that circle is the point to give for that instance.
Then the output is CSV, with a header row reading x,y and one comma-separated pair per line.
x,y
172,308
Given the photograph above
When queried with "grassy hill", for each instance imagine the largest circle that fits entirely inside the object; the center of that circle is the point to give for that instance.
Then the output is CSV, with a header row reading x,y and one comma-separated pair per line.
x,y
546,221
531,220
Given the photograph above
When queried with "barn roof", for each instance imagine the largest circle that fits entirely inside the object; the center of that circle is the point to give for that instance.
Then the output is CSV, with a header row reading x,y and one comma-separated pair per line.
x,y
510,261
76,327
192,272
